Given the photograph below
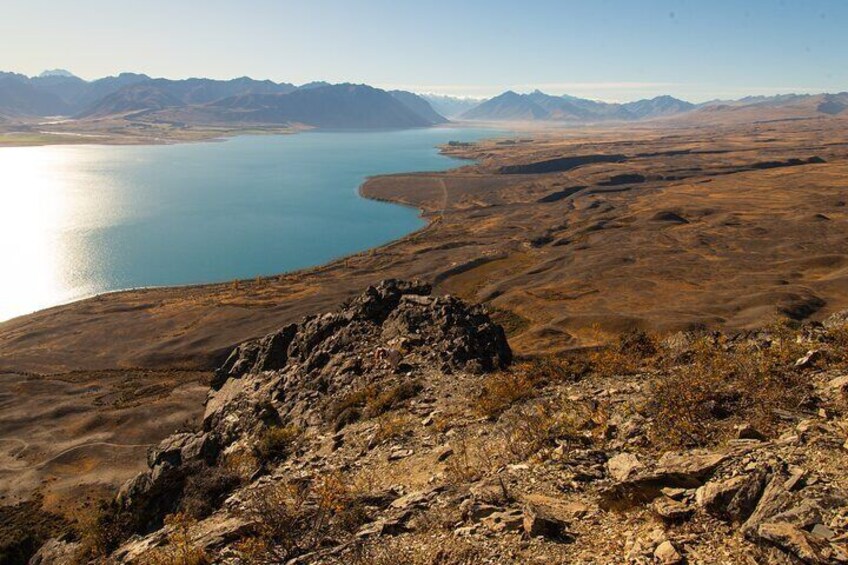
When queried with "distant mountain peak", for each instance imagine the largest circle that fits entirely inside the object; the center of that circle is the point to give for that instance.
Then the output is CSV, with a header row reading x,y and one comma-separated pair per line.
x,y
57,73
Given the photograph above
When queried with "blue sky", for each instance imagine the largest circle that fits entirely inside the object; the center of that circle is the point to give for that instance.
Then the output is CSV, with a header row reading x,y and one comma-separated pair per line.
x,y
606,49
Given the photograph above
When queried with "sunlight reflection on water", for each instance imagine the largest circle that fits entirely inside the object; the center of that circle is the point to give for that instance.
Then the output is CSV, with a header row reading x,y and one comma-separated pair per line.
x,y
80,220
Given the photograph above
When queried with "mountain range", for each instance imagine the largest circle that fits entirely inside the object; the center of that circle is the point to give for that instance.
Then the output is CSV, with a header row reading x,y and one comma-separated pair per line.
x,y
201,101
207,101
540,106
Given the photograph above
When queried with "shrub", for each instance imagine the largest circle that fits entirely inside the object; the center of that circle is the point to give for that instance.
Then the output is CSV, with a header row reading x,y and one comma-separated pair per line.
x,y
553,369
533,429
293,518
695,404
206,489
181,548
391,398
277,443
103,529
502,390
625,356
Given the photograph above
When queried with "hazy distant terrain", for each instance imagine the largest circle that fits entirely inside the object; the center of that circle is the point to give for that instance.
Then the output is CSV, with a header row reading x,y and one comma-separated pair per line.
x,y
199,101
125,107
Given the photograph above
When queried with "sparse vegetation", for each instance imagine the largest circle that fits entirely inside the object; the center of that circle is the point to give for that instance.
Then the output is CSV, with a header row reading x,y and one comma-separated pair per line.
x,y
391,398
24,527
502,390
697,403
392,426
277,442
293,518
204,491
181,548
628,354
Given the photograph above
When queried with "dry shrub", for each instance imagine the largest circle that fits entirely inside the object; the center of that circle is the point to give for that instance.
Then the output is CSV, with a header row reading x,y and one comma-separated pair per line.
x,y
449,551
242,463
392,426
466,465
628,355
502,390
370,401
181,548
277,443
391,398
553,369
293,518
103,528
347,408
535,429
529,431
837,338
204,491
696,404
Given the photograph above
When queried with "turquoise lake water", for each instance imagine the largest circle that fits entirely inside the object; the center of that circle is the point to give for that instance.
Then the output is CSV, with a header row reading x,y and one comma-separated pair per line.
x,y
80,220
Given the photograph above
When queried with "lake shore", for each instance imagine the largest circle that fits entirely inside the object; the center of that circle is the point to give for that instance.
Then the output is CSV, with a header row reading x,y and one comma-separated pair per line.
x,y
117,132
487,233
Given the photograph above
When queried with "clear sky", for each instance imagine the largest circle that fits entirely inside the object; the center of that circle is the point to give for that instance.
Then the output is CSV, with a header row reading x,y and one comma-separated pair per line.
x,y
606,49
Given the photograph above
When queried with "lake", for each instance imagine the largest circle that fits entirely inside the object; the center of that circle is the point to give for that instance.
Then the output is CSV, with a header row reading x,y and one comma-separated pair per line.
x,y
76,221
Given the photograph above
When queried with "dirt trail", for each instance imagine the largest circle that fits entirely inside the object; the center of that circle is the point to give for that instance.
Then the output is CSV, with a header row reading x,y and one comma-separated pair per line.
x,y
49,460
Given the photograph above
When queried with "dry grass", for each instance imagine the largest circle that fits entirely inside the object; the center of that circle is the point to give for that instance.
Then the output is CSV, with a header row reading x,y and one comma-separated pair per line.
x,y
391,398
181,548
451,551
502,390
370,401
277,443
293,518
697,403
392,426
629,354
531,431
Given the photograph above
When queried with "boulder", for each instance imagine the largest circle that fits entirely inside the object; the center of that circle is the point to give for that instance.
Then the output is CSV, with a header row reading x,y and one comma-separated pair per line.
x,y
511,520
550,517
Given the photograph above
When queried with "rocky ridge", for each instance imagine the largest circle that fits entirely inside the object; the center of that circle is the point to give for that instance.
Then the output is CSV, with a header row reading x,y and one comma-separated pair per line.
x,y
395,431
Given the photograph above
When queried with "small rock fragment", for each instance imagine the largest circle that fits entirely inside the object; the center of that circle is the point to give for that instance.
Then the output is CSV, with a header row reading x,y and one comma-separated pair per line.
x,y
667,554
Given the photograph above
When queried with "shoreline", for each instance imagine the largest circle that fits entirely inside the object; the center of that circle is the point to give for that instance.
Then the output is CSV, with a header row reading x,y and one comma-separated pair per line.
x,y
194,134
317,268
562,268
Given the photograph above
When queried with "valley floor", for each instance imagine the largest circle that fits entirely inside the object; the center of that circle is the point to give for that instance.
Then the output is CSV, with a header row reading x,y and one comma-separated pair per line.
x,y
569,238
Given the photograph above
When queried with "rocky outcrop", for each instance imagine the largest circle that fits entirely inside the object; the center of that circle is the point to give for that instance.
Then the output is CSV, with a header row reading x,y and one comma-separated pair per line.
x,y
389,334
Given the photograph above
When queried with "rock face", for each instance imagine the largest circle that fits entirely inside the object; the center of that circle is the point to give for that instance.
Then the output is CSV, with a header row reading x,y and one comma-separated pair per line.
x,y
386,335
